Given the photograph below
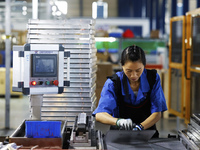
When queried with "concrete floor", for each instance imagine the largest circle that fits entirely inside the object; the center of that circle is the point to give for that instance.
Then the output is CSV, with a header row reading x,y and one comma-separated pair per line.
x,y
19,110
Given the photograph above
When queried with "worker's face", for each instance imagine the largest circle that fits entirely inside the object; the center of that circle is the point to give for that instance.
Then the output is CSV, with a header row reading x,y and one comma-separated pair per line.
x,y
133,70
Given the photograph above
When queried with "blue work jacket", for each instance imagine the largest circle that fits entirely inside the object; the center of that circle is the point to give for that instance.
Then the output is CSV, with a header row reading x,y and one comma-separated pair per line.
x,y
108,103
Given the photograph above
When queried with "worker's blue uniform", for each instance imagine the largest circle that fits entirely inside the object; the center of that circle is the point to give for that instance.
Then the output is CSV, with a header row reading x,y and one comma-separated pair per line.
x,y
137,108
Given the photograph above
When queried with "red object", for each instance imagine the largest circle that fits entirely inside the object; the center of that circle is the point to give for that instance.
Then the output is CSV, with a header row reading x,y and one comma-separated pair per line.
x,y
153,66
55,82
128,34
33,83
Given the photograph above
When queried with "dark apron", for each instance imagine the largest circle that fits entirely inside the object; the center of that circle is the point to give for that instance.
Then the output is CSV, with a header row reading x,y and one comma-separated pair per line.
x,y
137,113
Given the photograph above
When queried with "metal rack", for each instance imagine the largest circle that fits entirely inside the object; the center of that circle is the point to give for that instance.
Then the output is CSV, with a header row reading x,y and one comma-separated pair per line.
x,y
77,36
190,137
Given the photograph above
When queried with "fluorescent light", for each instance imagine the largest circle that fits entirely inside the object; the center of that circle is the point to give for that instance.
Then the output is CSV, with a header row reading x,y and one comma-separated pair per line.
x,y
180,4
94,10
62,6
105,39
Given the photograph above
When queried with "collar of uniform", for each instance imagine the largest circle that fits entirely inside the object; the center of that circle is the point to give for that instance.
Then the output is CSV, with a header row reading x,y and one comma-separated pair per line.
x,y
144,85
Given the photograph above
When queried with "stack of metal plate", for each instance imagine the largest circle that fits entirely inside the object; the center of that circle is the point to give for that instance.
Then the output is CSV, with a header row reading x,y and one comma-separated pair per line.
x,y
77,36
190,137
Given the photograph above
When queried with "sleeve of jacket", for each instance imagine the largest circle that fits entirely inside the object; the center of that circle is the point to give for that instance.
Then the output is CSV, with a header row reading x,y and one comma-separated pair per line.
x,y
158,102
107,102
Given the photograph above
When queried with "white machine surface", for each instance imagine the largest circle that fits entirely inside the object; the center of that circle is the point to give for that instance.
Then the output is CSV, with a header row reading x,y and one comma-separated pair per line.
x,y
38,69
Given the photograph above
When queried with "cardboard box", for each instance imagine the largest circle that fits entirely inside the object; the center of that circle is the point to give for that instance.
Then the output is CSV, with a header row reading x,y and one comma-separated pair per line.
x,y
103,71
102,57
3,82
154,34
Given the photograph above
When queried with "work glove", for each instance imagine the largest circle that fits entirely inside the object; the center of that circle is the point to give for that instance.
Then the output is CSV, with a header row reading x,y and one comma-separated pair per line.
x,y
125,124
138,127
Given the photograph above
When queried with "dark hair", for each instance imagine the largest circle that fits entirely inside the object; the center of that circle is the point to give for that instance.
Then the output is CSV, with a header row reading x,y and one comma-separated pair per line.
x,y
133,53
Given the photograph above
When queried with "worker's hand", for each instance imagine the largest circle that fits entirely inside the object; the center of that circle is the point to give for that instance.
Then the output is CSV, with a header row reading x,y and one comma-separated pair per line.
x,y
138,127
125,124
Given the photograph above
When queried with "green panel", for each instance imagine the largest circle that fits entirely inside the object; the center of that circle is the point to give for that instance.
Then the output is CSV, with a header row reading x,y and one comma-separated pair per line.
x,y
113,45
107,45
146,45
100,45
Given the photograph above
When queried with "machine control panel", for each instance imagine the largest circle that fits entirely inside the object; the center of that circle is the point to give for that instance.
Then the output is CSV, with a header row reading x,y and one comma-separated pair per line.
x,y
39,69
44,82
44,70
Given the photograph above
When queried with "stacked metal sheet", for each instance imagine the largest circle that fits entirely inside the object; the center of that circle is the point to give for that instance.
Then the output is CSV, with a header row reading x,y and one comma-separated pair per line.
x,y
77,36
190,137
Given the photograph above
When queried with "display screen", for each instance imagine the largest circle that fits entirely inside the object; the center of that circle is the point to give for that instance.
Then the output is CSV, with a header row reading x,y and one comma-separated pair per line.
x,y
44,65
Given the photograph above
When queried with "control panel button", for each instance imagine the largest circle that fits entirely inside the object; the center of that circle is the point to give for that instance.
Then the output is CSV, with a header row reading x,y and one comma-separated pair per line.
x,y
33,83
47,82
55,82
40,82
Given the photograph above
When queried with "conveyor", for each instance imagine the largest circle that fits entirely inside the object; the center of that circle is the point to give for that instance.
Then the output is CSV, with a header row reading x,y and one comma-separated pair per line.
x,y
190,137
81,136
140,140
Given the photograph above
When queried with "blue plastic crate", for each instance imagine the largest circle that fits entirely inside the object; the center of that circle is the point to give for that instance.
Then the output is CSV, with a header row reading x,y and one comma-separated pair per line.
x,y
43,129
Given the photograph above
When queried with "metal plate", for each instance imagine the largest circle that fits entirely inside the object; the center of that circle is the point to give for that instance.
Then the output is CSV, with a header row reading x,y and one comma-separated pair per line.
x,y
121,136
68,46
80,51
73,95
80,75
152,144
60,22
83,84
80,65
60,41
83,80
59,115
66,109
78,94
53,98
64,26
63,35
80,90
62,32
82,60
89,55
80,70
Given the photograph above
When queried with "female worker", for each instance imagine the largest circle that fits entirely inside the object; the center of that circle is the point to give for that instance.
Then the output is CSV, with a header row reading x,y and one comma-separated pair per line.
x,y
132,99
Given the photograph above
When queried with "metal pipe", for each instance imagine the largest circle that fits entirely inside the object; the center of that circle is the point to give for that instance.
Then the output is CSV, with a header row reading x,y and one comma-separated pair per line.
x,y
81,8
8,50
34,9
48,10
